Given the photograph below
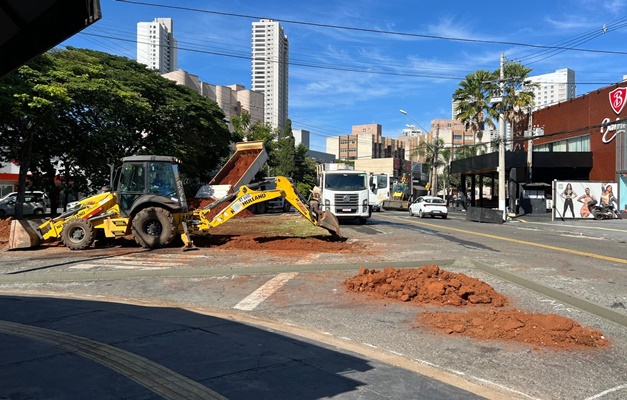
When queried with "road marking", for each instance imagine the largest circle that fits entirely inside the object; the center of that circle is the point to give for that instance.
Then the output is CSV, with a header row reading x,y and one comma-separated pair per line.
x,y
151,375
105,265
266,290
523,242
608,391
575,226
131,263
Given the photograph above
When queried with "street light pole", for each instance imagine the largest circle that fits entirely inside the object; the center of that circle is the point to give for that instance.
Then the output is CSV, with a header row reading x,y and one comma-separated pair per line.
x,y
502,141
434,168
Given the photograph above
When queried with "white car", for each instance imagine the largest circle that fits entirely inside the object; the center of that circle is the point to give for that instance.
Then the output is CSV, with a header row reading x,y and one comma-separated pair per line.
x,y
428,205
33,205
13,195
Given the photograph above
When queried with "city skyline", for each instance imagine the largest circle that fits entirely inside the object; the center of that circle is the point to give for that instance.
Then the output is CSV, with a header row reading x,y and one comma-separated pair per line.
x,y
359,63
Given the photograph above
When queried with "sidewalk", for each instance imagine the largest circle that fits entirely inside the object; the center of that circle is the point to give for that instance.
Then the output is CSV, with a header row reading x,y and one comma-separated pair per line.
x,y
79,349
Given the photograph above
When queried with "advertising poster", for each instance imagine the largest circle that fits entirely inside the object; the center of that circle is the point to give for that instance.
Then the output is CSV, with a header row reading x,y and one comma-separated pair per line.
x,y
575,199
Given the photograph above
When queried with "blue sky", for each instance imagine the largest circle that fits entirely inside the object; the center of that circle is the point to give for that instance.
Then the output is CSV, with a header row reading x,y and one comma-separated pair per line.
x,y
356,74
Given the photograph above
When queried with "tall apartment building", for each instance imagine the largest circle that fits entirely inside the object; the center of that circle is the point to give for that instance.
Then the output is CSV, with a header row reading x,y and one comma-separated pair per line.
x,y
555,87
270,57
232,99
156,45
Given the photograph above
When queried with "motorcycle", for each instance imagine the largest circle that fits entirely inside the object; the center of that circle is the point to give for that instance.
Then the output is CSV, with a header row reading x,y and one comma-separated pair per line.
x,y
602,211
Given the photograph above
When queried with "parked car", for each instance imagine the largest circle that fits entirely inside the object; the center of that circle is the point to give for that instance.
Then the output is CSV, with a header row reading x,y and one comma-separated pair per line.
x,y
42,194
34,204
428,205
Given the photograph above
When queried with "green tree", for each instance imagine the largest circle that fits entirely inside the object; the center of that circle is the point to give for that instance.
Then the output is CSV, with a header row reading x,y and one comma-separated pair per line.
x,y
30,105
305,170
87,109
473,97
518,98
284,154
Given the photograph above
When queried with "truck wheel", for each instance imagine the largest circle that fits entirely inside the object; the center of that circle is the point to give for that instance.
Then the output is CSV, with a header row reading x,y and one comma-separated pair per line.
x,y
286,206
153,227
78,234
363,221
262,207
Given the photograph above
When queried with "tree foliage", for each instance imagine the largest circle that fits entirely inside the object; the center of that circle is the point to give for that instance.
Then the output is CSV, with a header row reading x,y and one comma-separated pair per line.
x,y
474,98
80,111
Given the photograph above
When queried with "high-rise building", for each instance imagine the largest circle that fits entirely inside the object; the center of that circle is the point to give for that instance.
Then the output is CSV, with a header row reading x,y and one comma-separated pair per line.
x,y
270,56
156,46
553,88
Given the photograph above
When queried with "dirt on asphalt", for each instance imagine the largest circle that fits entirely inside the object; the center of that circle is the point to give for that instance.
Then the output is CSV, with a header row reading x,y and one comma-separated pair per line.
x,y
483,315
487,316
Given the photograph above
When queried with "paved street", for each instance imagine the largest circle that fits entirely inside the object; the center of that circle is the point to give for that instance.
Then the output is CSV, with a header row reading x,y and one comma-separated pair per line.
x,y
129,323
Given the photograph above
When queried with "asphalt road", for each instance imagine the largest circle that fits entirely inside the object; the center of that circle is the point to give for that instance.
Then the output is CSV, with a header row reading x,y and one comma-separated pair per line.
x,y
277,326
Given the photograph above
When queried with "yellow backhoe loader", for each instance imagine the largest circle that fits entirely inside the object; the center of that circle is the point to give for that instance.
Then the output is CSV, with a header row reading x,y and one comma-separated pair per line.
x,y
146,199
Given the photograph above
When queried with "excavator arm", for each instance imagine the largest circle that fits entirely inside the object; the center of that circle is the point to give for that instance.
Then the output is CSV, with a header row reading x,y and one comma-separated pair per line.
x,y
247,196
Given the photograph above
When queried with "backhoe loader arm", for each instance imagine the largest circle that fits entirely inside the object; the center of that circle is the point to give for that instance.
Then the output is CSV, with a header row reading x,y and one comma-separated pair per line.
x,y
247,196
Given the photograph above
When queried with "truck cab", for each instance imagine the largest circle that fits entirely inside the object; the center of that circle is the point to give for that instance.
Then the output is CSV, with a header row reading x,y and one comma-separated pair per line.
x,y
345,194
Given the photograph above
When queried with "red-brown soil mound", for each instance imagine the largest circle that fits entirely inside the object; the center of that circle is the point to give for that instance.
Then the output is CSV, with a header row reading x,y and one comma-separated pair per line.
x,y
5,226
432,285
538,330
428,284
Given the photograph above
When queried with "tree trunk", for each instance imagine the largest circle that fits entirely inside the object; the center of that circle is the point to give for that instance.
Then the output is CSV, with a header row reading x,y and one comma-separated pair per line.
x,y
26,156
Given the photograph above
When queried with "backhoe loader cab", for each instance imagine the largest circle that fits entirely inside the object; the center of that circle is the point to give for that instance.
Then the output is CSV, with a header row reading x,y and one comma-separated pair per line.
x,y
153,179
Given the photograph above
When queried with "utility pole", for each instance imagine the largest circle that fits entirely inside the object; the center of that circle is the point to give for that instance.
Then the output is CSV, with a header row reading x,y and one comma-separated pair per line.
x,y
502,141
434,167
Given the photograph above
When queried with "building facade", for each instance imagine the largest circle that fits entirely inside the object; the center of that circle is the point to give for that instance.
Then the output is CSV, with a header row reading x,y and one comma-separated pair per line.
x,y
270,70
595,122
232,99
553,88
364,143
156,45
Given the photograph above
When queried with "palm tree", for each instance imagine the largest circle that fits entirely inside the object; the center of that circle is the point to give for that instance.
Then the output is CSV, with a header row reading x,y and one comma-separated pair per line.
x,y
518,97
473,102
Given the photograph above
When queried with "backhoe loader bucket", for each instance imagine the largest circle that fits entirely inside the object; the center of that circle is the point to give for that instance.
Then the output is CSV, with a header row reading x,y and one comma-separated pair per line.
x,y
24,234
329,222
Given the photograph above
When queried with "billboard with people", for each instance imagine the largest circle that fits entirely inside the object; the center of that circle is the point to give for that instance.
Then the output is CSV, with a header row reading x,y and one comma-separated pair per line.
x,y
585,199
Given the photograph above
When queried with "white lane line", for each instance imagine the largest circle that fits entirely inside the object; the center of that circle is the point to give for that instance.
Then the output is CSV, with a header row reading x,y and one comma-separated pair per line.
x,y
120,266
608,391
266,290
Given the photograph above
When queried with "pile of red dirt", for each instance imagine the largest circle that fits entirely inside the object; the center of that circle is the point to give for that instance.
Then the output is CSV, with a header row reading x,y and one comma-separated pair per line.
x,y
537,330
5,226
294,246
428,284
431,285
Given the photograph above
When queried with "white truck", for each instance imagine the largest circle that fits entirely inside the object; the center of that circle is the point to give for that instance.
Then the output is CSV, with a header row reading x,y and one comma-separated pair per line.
x,y
344,193
380,185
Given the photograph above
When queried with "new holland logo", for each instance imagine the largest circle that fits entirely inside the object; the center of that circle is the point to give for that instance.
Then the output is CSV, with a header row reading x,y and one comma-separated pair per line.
x,y
617,99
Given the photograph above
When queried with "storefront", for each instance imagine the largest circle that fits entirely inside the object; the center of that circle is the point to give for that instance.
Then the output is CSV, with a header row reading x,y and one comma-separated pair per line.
x,y
582,139
595,122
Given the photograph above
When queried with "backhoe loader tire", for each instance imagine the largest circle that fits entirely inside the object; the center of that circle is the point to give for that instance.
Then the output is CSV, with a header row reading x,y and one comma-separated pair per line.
x,y
153,227
78,234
